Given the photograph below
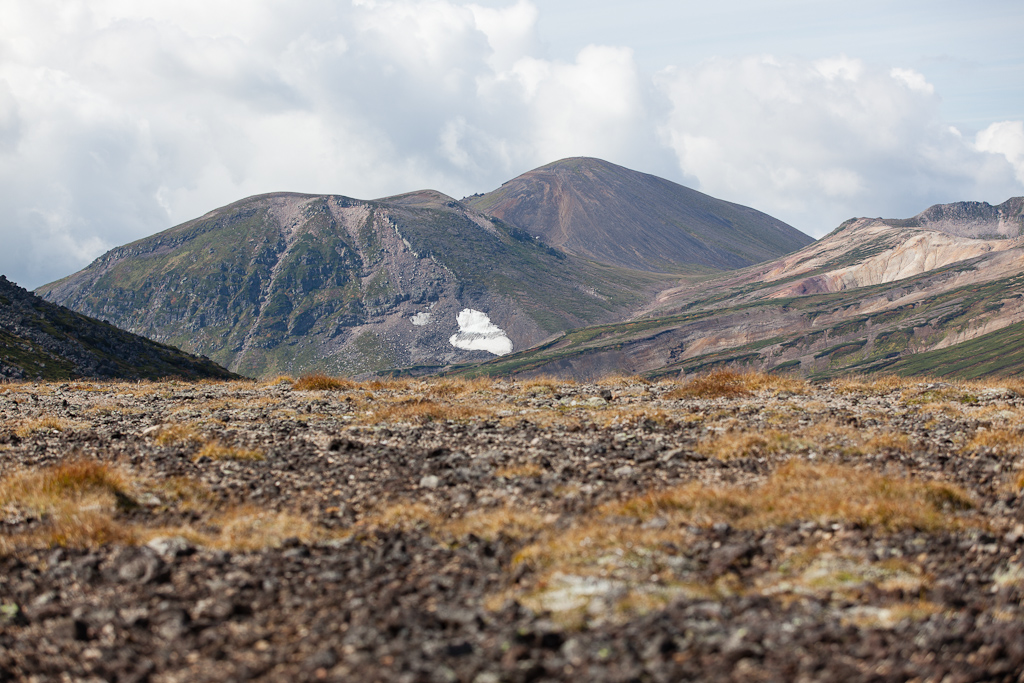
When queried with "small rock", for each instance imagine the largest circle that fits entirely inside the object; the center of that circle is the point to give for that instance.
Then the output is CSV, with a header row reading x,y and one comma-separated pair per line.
x,y
1016,535
655,523
624,471
430,482
141,567
171,546
325,658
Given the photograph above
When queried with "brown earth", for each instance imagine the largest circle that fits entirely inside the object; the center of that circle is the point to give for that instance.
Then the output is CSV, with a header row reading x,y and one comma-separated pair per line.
x,y
736,527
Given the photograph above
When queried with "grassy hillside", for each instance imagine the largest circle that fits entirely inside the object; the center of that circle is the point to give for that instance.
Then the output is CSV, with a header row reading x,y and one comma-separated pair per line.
x,y
39,340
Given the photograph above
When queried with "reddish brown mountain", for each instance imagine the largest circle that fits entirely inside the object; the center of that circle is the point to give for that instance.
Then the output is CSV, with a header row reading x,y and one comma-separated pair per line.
x,y
608,213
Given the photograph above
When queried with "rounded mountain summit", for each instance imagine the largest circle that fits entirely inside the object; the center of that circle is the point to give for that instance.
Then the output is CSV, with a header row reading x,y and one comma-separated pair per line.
x,y
599,210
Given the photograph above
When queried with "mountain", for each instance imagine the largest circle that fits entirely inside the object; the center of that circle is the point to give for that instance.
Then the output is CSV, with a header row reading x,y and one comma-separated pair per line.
x,y
40,340
595,209
941,293
294,283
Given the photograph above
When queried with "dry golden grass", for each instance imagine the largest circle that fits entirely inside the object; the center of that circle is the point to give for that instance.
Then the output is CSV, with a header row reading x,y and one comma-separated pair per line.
x,y
80,502
178,435
527,470
279,379
419,409
872,386
493,523
184,493
404,515
1001,441
543,385
732,384
388,384
751,444
215,450
78,499
619,558
889,442
47,488
41,426
319,382
798,491
252,528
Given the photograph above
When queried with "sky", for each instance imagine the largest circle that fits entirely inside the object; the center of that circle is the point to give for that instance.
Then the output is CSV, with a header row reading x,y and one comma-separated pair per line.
x,y
121,118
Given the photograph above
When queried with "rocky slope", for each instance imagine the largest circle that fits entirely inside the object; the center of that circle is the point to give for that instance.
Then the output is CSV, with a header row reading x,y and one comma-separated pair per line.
x,y
39,340
735,530
290,283
612,214
867,297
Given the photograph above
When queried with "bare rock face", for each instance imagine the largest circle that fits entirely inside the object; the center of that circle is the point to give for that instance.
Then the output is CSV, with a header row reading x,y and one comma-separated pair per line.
x,y
971,219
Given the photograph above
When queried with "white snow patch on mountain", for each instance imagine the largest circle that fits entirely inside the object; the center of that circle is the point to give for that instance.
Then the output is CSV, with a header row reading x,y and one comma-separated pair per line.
x,y
478,333
420,319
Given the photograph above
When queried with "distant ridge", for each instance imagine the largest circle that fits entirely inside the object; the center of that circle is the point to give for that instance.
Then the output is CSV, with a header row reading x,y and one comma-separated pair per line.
x,y
938,294
614,215
40,340
970,219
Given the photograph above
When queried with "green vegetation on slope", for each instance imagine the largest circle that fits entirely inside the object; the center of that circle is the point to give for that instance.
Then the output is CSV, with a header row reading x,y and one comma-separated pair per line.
x,y
999,353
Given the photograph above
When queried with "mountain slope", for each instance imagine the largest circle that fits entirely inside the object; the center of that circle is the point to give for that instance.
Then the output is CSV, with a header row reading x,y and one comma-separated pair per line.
x,y
298,283
40,340
873,295
608,213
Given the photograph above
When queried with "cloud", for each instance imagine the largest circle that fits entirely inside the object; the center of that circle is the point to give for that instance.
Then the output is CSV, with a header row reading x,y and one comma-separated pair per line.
x,y
815,142
1005,138
119,119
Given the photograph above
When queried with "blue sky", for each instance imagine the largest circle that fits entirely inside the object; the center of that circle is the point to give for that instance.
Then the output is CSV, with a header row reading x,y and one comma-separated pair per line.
x,y
119,119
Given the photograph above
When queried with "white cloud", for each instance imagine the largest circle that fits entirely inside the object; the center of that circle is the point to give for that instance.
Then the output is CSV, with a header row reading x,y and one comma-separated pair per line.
x,y
815,142
120,118
1005,138
913,80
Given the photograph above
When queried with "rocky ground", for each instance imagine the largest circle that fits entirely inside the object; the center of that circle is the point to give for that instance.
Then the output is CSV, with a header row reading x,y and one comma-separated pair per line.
x,y
730,528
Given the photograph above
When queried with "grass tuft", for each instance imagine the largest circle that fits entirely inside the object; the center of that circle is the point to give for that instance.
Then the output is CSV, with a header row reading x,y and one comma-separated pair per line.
x,y
177,435
41,426
1001,442
732,384
215,450
318,382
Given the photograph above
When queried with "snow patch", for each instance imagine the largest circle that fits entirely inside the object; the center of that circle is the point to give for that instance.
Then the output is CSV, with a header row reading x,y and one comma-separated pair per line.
x,y
478,333
420,319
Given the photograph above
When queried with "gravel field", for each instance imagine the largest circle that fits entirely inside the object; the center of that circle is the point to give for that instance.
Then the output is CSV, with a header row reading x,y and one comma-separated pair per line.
x,y
728,528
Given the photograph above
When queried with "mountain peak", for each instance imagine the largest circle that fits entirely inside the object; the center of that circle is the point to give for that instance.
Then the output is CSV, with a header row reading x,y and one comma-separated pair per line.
x,y
602,211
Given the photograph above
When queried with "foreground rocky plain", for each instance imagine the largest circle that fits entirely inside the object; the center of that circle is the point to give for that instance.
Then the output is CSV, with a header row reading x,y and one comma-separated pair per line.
x,y
726,527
